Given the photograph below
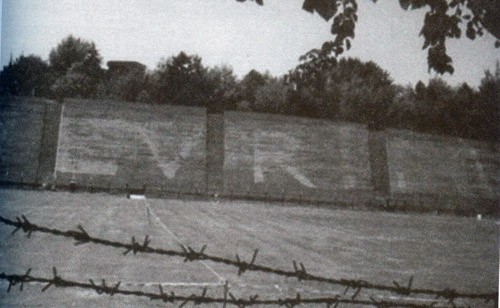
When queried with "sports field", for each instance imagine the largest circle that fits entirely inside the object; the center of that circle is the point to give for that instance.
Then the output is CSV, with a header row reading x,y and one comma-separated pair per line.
x,y
439,251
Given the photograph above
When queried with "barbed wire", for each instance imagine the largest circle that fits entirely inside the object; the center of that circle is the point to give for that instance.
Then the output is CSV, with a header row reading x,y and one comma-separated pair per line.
x,y
189,254
198,299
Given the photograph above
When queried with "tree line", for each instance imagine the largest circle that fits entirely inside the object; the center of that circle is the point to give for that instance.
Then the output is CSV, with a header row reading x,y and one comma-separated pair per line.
x,y
344,90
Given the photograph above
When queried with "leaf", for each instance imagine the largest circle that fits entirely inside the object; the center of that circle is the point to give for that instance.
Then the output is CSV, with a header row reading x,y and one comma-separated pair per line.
x,y
471,34
325,8
405,4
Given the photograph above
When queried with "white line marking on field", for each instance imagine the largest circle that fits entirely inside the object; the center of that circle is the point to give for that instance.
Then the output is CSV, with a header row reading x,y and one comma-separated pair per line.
x,y
413,299
294,171
165,228
148,284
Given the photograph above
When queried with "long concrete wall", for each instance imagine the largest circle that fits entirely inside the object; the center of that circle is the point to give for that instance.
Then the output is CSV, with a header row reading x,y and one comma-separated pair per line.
x,y
28,139
116,145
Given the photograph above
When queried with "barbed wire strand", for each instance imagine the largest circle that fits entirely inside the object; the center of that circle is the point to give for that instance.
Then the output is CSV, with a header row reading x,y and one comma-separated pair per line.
x,y
198,299
189,254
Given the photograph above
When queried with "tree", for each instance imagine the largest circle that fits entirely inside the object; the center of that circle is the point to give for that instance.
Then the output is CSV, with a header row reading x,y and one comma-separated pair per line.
x,y
402,110
124,87
272,97
222,88
181,80
26,75
420,90
123,80
351,90
442,22
249,85
432,106
76,66
489,108
365,91
463,111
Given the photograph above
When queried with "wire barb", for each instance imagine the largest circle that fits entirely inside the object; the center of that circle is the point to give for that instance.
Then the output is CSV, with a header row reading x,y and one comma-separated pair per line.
x,y
136,247
403,290
81,236
243,266
25,225
191,255
14,280
300,273
356,293
56,280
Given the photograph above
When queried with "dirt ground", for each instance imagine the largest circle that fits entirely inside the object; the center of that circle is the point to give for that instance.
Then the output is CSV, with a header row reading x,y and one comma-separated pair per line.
x,y
439,251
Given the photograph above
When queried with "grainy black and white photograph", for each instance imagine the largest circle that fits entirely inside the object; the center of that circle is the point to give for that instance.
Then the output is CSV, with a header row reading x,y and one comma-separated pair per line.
x,y
249,153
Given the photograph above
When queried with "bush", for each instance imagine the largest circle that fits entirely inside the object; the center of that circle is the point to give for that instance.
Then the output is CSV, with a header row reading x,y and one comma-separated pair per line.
x,y
272,97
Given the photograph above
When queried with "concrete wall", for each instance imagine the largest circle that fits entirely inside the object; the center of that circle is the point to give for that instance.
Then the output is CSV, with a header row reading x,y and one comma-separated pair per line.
x,y
28,138
116,145
449,172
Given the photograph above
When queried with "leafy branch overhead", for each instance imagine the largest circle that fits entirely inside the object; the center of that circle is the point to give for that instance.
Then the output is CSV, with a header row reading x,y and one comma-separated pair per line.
x,y
443,20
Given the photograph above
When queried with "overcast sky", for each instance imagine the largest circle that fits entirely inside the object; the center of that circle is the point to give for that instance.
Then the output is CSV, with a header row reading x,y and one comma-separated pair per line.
x,y
241,35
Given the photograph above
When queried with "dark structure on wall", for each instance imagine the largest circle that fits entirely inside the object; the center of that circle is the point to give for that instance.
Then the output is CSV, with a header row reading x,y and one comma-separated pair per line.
x,y
119,68
215,152
124,80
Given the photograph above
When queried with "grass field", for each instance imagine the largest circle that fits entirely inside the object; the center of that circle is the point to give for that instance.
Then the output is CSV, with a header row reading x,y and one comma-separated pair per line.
x,y
440,251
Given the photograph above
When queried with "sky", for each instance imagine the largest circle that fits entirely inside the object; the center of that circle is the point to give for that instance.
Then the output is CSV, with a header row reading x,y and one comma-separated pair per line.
x,y
243,36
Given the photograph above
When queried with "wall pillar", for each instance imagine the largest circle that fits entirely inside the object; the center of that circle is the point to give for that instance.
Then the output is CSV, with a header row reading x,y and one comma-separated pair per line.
x,y
377,147
48,142
215,152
